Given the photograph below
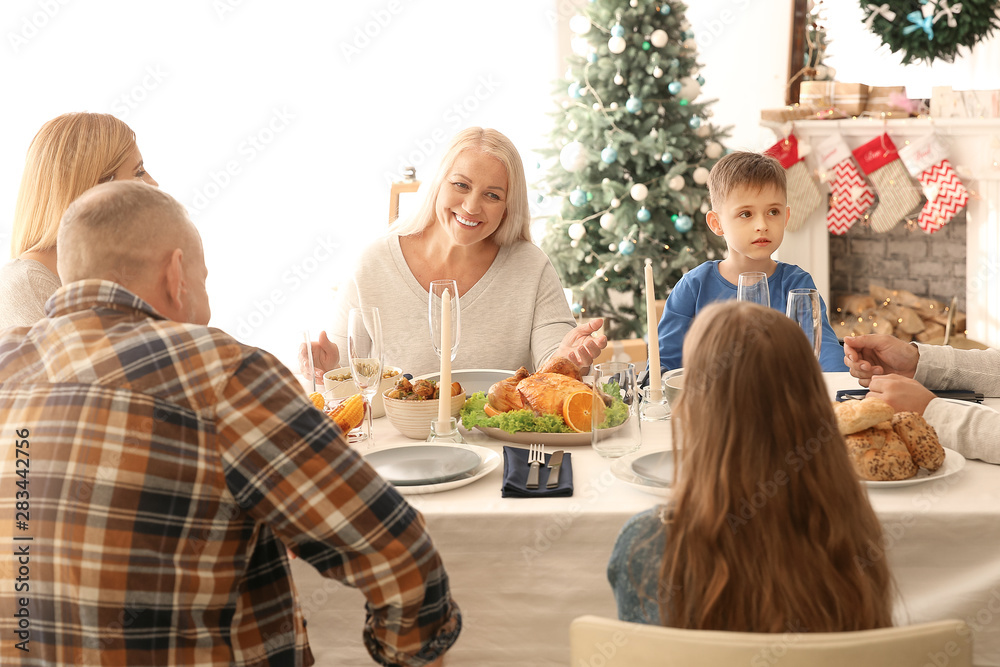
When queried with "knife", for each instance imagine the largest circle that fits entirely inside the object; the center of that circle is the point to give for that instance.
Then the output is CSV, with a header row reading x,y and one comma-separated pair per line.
x,y
555,463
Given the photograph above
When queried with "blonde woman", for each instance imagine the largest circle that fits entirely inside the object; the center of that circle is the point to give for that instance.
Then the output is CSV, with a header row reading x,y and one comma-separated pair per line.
x,y
70,154
769,529
472,226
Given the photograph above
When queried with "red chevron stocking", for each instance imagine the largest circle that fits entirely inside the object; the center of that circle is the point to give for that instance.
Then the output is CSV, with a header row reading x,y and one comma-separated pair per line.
x,y
926,160
803,195
850,195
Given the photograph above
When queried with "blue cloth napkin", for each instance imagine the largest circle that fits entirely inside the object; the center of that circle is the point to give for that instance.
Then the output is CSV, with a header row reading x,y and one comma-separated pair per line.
x,y
515,476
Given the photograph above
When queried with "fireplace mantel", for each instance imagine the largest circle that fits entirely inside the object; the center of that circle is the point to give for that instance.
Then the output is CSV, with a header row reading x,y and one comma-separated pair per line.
x,y
974,151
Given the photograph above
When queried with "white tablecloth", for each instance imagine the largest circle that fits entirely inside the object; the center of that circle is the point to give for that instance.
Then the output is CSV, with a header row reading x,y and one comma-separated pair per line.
x,y
522,569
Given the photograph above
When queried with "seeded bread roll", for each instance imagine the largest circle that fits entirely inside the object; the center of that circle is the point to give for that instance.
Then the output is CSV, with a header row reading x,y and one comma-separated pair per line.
x,y
920,439
855,416
880,455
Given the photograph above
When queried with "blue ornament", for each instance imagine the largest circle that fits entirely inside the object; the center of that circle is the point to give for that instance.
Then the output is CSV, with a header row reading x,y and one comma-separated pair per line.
x,y
674,87
609,154
694,122
684,224
574,90
642,215
664,9
626,247
577,308
700,79
591,57
617,30
634,104
578,197
667,158
688,34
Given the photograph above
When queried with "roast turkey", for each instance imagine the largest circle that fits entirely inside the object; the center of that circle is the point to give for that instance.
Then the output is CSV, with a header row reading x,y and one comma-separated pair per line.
x,y
543,392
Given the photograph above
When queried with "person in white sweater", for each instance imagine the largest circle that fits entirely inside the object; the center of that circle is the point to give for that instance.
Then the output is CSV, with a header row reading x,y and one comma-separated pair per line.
x,y
70,154
472,227
899,373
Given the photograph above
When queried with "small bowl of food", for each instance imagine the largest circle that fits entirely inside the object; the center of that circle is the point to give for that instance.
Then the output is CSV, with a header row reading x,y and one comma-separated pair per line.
x,y
338,383
412,406
673,382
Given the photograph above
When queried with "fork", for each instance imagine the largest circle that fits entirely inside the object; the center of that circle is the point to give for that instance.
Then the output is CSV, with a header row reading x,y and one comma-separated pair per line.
x,y
536,457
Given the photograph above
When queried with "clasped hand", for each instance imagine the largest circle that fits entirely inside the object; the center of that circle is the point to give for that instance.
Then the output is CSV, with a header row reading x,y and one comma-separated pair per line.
x,y
886,366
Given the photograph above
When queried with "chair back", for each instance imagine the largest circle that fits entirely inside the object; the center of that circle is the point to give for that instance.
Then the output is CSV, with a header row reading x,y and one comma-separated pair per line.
x,y
604,642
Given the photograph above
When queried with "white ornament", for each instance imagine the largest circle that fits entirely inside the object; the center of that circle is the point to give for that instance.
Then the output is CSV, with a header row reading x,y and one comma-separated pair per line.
x,y
612,247
690,89
571,126
822,72
577,231
588,259
713,150
565,104
599,272
596,106
634,151
652,132
705,208
615,203
616,44
573,156
613,106
703,130
619,79
605,181
690,44
633,3
657,72
608,221
639,192
618,267
660,109
579,24
676,183
658,38
580,46
700,176
574,243
657,156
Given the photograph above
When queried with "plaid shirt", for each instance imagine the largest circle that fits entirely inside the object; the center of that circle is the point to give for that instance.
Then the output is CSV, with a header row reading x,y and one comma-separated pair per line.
x,y
168,468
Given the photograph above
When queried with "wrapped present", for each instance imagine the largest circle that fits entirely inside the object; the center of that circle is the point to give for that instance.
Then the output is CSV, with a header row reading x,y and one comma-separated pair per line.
x,y
887,99
850,98
980,103
799,112
945,103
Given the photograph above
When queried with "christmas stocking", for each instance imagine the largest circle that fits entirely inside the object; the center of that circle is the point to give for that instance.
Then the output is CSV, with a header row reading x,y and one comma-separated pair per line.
x,y
803,195
850,195
897,197
926,160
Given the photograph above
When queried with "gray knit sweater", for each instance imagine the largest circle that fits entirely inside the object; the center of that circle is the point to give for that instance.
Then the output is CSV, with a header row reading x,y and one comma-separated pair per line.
x,y
25,286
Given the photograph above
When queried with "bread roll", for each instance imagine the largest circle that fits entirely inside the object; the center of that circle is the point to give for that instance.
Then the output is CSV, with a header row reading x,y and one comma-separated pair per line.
x,y
920,439
880,455
855,416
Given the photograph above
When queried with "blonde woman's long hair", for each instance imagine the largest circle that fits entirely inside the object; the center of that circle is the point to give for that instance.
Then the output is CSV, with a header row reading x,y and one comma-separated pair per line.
x,y
517,216
770,529
70,154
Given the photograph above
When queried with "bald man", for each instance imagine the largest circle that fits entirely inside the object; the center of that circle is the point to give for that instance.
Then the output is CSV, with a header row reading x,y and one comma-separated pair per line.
x,y
155,471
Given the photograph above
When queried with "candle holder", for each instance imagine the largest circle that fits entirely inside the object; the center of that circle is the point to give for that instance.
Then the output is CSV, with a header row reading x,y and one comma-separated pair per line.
x,y
654,406
445,432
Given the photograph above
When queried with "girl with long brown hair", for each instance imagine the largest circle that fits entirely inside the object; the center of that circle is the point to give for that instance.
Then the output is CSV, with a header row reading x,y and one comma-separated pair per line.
x,y
768,529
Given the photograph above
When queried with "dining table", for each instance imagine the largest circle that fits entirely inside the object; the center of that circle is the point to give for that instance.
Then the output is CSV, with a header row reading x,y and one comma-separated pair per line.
x,y
521,569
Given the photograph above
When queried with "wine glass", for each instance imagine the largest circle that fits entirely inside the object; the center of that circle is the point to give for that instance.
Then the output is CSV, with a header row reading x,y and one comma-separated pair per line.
x,y
364,355
803,307
434,314
752,287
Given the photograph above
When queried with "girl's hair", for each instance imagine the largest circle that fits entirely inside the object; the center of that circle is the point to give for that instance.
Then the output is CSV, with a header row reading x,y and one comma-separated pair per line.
x,y
516,223
771,530
69,155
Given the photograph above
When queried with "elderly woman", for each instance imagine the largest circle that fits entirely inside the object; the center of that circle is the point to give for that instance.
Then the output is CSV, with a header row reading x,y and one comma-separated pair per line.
x,y
70,154
472,227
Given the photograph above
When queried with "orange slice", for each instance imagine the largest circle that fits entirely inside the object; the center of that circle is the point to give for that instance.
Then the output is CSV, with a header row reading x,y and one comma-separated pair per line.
x,y
577,411
490,410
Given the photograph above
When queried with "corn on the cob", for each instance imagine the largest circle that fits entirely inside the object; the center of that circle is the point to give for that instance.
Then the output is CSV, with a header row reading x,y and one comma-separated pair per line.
x,y
349,414
317,399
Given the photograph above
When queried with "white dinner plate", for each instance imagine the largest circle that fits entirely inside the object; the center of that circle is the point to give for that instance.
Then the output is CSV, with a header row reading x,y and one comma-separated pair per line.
x,y
489,460
655,467
472,379
622,469
417,465
953,462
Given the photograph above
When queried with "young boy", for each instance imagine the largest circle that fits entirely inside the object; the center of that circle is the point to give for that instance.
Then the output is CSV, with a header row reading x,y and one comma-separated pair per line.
x,y
749,209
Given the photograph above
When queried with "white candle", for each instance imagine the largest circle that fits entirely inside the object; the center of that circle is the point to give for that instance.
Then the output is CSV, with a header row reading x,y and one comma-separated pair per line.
x,y
444,383
655,383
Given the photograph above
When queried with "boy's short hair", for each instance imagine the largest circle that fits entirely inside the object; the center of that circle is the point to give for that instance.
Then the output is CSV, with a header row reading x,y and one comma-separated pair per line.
x,y
744,169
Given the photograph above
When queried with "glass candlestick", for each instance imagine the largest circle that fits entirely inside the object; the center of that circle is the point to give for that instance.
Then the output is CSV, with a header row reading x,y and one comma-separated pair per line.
x,y
445,432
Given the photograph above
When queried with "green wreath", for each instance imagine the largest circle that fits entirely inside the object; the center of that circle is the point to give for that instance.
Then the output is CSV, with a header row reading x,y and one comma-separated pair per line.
x,y
931,29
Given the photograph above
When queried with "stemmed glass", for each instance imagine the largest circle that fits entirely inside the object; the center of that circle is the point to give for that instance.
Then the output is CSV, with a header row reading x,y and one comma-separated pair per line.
x,y
364,354
803,307
434,314
752,287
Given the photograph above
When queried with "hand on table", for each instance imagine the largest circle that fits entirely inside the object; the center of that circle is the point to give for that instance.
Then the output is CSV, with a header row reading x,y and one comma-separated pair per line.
x,y
879,354
580,347
904,394
325,354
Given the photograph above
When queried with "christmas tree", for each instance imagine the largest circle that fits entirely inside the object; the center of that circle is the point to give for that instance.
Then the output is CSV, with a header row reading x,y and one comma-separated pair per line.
x,y
634,150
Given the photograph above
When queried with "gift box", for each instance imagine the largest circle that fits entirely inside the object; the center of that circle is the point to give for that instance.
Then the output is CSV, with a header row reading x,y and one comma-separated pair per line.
x,y
945,102
849,98
880,99
980,103
799,112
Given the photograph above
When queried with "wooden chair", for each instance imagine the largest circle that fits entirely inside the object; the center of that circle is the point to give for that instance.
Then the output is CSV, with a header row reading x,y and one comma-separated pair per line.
x,y
606,642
